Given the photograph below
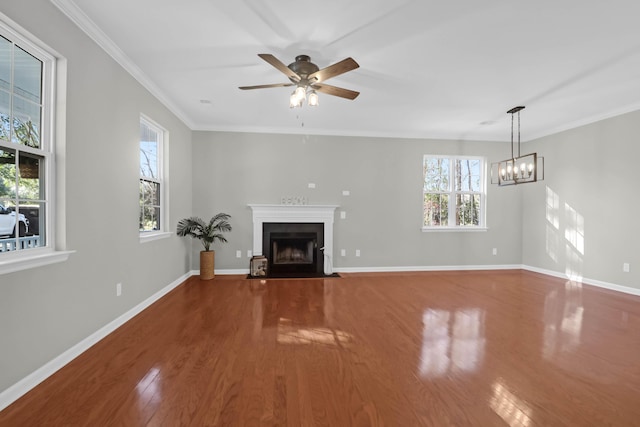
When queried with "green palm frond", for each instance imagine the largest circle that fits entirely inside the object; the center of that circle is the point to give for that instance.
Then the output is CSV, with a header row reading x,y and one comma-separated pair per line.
x,y
207,233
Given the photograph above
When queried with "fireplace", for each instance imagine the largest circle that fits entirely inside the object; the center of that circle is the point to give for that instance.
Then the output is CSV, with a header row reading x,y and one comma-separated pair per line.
x,y
321,216
293,249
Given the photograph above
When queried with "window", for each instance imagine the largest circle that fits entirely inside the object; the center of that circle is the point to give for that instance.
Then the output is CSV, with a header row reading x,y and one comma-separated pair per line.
x,y
26,144
453,192
152,179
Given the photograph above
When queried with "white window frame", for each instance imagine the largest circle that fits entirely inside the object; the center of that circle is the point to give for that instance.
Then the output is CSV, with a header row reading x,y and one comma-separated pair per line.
x,y
163,180
452,193
51,140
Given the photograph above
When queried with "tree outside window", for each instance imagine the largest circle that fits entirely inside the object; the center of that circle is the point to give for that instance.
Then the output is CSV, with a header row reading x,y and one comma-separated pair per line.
x,y
453,192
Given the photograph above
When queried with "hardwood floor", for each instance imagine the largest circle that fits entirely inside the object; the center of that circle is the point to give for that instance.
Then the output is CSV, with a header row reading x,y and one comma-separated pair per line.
x,y
488,348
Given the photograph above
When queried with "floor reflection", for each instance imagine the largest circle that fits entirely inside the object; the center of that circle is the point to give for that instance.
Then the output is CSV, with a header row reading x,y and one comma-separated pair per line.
x,y
149,388
300,313
563,314
451,341
289,333
509,407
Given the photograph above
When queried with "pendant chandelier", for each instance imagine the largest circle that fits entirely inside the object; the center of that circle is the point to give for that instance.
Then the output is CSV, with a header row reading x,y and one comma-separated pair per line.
x,y
518,169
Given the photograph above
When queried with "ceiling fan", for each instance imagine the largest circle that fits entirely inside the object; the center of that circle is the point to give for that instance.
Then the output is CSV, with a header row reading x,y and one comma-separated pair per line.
x,y
309,78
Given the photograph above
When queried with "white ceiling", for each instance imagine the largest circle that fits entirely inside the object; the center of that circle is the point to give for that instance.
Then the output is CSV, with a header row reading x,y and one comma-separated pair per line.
x,y
428,69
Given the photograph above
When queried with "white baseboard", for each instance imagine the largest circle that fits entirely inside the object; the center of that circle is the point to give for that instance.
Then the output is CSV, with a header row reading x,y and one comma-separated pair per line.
x,y
585,280
13,393
424,268
230,271
223,272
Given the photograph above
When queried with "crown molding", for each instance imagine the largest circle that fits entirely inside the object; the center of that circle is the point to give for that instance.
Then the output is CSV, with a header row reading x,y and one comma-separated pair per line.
x,y
78,17
585,121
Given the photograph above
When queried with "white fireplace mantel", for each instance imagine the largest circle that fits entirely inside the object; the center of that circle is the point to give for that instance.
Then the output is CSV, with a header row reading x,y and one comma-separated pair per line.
x,y
296,213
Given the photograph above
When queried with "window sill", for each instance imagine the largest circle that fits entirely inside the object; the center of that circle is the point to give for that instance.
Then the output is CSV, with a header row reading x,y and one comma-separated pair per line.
x,y
454,229
154,235
37,258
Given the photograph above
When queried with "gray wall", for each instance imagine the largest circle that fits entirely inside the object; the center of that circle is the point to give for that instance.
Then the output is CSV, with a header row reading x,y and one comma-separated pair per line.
x,y
582,219
590,188
44,311
384,209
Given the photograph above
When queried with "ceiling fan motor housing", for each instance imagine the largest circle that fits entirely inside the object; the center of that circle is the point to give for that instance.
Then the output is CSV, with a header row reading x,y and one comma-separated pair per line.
x,y
303,67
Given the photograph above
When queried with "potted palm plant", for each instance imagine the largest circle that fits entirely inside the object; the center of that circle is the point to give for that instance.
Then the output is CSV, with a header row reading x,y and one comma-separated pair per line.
x,y
207,233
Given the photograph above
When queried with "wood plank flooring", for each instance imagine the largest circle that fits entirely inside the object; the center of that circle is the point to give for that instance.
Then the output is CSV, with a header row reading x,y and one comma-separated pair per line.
x,y
485,348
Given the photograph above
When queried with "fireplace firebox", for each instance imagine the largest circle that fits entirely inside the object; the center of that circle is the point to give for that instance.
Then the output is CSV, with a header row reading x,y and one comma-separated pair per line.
x,y
294,249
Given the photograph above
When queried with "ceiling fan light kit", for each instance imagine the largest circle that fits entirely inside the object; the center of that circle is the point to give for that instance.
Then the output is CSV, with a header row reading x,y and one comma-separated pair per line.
x,y
308,78
520,169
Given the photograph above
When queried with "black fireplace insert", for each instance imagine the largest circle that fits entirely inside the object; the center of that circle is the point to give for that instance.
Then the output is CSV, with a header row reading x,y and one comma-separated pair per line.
x,y
293,249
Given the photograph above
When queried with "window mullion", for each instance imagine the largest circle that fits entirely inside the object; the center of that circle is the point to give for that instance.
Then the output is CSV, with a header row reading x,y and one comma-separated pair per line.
x,y
453,205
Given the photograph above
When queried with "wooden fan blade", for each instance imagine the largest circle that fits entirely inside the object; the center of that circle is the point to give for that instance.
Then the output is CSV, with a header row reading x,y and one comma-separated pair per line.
x,y
275,62
265,86
336,91
333,70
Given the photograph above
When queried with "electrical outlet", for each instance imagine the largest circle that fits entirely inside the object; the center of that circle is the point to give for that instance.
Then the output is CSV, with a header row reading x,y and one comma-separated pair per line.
x,y
118,289
343,252
625,267
357,252
343,214
312,185
495,251
346,192
249,253
238,254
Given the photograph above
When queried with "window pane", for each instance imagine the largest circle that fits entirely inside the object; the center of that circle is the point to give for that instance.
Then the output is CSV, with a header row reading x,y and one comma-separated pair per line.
x,y
436,174
27,76
436,210
7,226
468,175
18,211
7,175
149,193
35,214
148,152
26,122
5,115
467,209
149,219
5,63
149,206
29,185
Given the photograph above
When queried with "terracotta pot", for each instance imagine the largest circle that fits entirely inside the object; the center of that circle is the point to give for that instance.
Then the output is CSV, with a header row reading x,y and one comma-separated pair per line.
x,y
207,264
